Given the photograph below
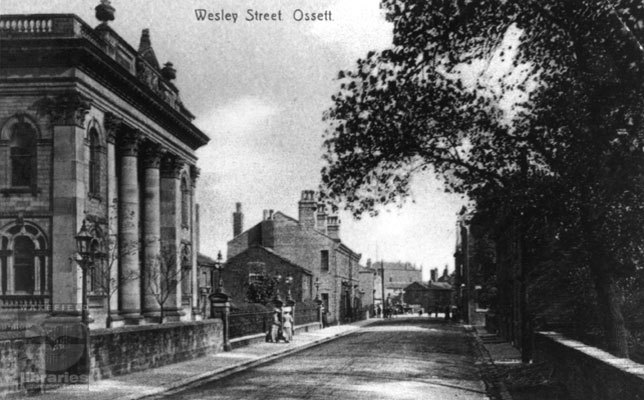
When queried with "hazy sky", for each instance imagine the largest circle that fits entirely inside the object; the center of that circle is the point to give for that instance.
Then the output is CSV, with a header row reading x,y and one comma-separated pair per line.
x,y
258,89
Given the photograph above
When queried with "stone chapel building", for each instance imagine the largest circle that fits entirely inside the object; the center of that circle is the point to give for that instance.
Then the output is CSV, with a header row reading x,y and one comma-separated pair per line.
x,y
93,129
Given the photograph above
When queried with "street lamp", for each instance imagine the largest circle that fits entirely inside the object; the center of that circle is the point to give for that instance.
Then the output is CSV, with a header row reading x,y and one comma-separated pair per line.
x,y
219,266
85,247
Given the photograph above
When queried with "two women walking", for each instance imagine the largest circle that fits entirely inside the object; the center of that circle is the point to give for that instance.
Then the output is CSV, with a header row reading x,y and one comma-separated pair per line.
x,y
281,328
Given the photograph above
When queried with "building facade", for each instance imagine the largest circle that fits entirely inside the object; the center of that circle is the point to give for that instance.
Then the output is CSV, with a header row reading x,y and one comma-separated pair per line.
x,y
396,276
94,130
313,242
256,269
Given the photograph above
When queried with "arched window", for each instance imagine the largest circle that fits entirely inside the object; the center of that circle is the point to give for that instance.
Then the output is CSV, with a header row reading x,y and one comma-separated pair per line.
x,y
94,162
22,150
23,264
185,204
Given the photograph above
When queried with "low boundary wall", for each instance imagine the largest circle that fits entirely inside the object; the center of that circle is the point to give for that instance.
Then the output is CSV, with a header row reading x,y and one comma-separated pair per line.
x,y
587,372
128,349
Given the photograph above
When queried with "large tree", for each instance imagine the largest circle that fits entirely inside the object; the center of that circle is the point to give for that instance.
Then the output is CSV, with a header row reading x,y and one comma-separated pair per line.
x,y
495,92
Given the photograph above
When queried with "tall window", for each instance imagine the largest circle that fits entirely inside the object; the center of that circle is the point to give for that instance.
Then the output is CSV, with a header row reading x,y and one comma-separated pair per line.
x,y
324,260
94,162
185,204
22,145
23,264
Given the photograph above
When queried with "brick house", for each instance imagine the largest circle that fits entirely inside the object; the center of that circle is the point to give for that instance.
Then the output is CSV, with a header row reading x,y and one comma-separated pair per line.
x,y
93,129
312,242
257,264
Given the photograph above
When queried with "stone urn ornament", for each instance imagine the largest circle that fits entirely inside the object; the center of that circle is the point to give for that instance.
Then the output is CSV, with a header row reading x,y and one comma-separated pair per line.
x,y
105,11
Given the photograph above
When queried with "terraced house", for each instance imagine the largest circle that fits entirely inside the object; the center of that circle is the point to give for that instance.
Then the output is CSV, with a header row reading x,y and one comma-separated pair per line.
x,y
312,242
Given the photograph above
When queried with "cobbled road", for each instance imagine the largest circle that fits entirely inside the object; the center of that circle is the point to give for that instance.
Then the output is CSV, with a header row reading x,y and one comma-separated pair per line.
x,y
400,358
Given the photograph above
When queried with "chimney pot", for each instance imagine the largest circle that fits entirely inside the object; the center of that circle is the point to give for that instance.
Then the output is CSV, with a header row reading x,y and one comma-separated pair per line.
x,y
238,220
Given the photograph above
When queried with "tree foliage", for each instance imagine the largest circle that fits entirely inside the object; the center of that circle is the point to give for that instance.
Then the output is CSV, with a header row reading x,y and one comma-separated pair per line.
x,y
535,103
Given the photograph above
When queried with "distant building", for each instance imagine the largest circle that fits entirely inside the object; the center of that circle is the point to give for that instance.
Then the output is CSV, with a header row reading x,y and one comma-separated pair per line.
x,y
466,272
312,242
368,287
397,276
432,296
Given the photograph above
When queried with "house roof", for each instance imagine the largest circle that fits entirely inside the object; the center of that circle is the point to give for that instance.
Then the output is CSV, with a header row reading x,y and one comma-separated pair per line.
x,y
272,254
204,260
431,285
342,246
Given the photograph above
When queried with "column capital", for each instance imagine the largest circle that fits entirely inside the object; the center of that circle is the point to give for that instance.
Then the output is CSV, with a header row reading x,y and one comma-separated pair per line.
x,y
194,175
113,124
129,140
171,166
152,153
68,108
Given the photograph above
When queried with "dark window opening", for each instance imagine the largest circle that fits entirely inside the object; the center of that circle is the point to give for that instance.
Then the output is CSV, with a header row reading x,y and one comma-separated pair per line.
x,y
22,152
23,264
94,163
324,260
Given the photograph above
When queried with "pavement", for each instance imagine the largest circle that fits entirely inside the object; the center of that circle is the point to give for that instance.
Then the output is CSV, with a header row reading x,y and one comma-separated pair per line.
x,y
174,377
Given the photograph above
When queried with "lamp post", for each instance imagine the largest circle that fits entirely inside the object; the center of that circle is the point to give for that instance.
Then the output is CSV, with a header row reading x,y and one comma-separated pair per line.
x,y
85,247
220,303
219,266
85,259
289,298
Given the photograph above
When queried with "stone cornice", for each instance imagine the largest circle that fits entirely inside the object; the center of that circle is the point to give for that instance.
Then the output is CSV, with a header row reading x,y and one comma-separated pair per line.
x,y
85,54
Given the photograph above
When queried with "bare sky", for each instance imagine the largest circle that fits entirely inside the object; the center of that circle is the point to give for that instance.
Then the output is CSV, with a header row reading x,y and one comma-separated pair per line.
x,y
258,89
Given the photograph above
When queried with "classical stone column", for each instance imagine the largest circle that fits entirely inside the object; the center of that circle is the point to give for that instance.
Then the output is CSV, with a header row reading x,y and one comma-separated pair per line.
x,y
66,114
152,279
112,125
129,240
194,175
171,167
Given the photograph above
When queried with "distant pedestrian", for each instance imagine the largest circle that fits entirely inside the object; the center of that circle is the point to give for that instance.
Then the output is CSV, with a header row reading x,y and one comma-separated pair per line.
x,y
378,311
287,327
275,326
325,319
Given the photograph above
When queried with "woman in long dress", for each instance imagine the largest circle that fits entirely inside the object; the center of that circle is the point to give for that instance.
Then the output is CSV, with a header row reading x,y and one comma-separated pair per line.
x,y
287,327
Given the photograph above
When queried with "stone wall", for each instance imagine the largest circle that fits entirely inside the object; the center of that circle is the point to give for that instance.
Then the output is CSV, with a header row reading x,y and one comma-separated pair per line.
x,y
135,348
587,372
22,360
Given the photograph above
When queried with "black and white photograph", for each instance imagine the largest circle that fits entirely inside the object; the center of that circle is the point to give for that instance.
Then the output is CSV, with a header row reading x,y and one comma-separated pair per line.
x,y
322,199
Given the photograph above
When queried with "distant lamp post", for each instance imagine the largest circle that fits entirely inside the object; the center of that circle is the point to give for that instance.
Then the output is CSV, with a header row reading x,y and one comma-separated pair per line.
x,y
289,298
317,291
219,267
277,300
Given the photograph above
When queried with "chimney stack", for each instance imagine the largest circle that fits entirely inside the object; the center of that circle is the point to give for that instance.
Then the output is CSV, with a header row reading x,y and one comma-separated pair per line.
x,y
238,220
307,207
321,218
333,227
433,274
